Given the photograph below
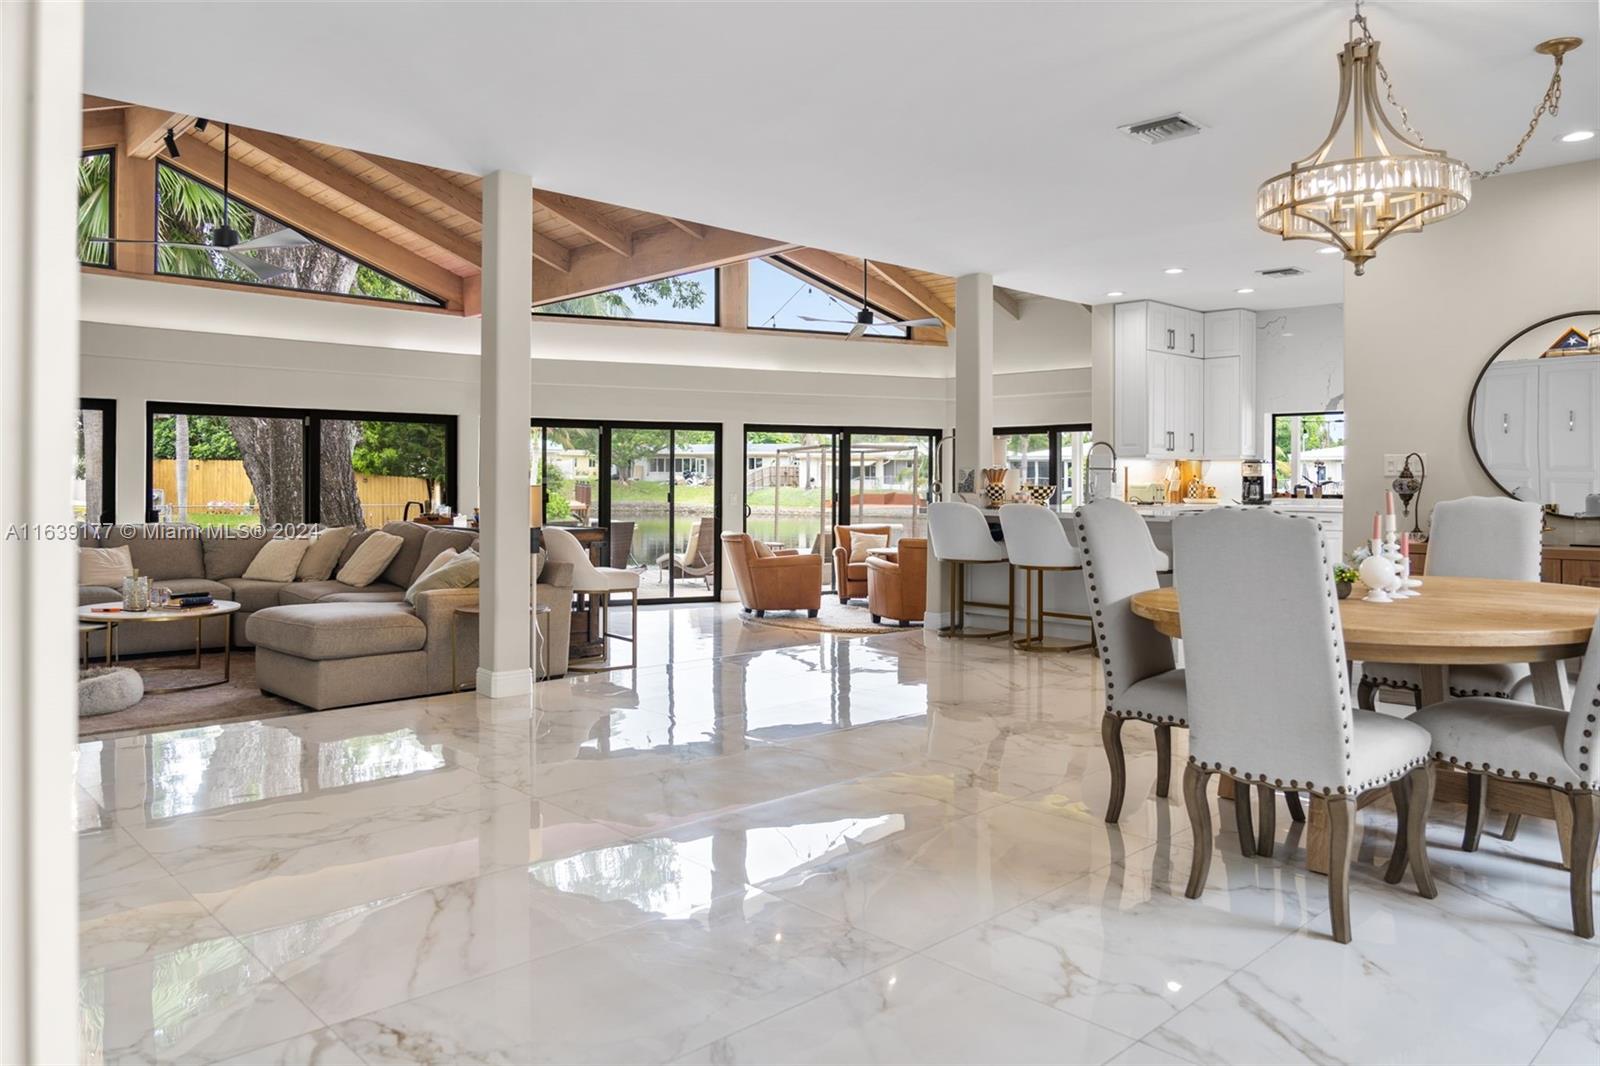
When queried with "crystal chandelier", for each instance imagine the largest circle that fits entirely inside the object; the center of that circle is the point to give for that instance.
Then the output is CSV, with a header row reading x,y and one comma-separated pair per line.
x,y
1389,182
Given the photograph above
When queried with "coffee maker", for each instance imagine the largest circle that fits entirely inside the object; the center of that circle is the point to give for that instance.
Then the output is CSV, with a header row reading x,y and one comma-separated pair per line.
x,y
1253,480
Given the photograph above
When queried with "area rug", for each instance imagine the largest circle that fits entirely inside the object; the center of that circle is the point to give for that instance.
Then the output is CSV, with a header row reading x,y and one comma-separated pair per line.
x,y
844,619
239,698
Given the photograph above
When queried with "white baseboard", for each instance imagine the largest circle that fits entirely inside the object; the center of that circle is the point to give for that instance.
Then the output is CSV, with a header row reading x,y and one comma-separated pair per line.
x,y
501,684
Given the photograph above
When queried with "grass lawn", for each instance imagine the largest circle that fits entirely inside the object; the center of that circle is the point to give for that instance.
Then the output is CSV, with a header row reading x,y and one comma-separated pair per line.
x,y
229,521
656,492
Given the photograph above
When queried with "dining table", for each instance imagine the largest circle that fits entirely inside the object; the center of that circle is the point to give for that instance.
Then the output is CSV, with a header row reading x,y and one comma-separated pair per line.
x,y
1453,621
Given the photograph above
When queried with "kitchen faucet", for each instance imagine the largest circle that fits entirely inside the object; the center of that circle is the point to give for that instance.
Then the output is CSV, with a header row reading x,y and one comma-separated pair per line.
x,y
1088,482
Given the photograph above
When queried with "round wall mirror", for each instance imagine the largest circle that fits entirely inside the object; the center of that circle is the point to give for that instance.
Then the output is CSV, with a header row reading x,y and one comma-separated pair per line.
x,y
1534,418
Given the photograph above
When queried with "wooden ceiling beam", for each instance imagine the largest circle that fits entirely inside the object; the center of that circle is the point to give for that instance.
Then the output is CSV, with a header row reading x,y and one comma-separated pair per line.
x,y
1007,301
551,253
656,254
146,127
845,275
325,224
582,215
431,182
693,229
102,103
102,129
303,160
914,290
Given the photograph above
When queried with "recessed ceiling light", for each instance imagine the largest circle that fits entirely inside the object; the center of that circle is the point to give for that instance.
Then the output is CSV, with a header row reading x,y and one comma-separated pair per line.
x,y
1173,270
1577,135
1244,292
1327,251
1116,292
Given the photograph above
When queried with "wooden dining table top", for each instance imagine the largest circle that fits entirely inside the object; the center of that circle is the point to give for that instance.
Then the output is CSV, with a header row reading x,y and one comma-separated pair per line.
x,y
1455,620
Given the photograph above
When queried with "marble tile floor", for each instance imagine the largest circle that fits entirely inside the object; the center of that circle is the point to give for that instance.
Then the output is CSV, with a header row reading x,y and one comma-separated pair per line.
x,y
769,846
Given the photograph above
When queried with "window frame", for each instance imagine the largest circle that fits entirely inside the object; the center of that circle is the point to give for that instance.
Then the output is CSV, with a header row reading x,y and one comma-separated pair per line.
x,y
1053,433
108,458
715,300
437,303
1294,453
111,218
311,420
816,281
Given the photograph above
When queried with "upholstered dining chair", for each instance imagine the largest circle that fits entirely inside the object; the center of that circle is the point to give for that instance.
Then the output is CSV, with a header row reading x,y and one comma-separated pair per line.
x,y
600,582
1269,693
1141,675
958,535
1477,536
1544,746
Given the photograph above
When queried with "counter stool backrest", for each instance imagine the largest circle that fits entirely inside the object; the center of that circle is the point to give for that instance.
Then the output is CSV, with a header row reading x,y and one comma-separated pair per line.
x,y
1119,562
1035,536
958,531
1485,536
563,547
1263,648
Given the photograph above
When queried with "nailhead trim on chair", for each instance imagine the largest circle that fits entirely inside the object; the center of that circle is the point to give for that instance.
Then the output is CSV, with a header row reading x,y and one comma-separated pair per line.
x,y
1407,686
1348,789
1518,775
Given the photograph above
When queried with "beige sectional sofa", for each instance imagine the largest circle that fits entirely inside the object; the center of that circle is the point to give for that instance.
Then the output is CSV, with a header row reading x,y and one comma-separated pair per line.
x,y
191,559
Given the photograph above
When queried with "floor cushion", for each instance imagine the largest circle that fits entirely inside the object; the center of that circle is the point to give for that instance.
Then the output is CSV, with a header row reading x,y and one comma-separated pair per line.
x,y
108,689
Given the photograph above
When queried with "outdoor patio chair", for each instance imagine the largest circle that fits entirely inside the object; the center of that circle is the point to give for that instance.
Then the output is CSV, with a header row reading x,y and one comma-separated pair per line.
x,y
700,561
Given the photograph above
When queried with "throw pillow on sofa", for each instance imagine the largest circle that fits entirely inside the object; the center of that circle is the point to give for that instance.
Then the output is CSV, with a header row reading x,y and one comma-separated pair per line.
x,y
278,560
323,554
460,572
860,543
104,566
377,551
436,562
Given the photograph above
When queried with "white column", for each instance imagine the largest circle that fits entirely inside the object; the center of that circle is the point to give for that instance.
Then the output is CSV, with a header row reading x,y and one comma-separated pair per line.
x,y
974,373
505,402
133,459
41,79
730,479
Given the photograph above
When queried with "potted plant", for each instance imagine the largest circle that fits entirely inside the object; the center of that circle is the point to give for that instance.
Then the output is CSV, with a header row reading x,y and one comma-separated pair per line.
x,y
1344,578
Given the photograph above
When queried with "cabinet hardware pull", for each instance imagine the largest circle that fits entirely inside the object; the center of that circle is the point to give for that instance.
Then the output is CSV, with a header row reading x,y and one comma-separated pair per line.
x,y
1569,421
1191,442
1505,423
1191,344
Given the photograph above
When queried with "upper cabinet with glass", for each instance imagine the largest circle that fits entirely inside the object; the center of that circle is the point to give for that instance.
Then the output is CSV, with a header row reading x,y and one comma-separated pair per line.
x,y
1533,414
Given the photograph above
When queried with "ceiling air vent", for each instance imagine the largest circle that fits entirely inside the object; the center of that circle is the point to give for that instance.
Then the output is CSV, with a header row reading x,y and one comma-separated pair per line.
x,y
1281,272
1161,130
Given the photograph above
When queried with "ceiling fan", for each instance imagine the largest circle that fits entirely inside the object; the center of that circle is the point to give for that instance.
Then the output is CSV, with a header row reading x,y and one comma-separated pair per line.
x,y
865,319
222,239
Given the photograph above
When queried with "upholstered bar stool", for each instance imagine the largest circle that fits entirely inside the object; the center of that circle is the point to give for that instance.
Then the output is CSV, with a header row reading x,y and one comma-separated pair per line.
x,y
1477,536
600,582
1285,720
959,536
1037,544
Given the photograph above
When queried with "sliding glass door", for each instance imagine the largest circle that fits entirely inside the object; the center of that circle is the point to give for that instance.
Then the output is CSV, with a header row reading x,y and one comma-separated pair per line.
x,y
887,481
652,486
1046,455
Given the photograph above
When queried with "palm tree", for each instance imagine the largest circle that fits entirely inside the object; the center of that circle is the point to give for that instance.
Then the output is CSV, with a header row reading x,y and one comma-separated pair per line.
x,y
94,208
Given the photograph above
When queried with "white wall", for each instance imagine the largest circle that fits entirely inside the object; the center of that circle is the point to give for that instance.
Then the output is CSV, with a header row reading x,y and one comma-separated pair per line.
x,y
148,340
1300,360
1433,307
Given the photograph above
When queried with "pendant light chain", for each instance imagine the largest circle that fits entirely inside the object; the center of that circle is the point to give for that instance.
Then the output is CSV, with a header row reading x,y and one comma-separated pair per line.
x,y
1550,105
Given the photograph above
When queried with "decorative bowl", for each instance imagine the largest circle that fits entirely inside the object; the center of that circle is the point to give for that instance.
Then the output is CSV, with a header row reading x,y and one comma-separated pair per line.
x,y
1040,494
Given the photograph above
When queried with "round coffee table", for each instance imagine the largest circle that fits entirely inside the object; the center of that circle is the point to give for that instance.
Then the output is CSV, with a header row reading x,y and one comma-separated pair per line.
x,y
113,619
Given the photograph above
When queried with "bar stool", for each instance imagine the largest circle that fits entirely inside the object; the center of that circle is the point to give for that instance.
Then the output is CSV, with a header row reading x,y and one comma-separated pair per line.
x,y
959,535
1037,544
600,582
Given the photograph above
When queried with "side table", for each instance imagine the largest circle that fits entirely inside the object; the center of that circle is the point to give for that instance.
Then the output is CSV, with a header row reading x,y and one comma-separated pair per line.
x,y
541,651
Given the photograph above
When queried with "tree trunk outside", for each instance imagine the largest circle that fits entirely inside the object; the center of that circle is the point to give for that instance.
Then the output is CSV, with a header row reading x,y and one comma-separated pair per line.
x,y
341,506
273,450
94,436
312,267
180,432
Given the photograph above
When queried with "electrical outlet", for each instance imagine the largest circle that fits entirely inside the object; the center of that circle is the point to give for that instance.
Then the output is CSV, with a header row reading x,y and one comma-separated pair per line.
x,y
1392,463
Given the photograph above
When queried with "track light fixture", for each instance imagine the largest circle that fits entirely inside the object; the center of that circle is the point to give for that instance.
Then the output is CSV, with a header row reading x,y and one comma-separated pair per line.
x,y
201,124
172,143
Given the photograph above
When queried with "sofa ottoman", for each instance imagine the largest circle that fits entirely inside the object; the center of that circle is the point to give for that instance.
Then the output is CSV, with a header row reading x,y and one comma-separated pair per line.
x,y
327,655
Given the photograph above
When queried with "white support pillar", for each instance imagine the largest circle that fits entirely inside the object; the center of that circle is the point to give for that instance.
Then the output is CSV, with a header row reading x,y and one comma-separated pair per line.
x,y
41,79
505,405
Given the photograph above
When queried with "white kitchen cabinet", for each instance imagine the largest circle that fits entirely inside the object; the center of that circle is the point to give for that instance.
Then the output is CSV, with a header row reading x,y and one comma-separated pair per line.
x,y
1162,397
1192,335
1224,421
1569,452
1192,431
1224,332
1505,419
1231,389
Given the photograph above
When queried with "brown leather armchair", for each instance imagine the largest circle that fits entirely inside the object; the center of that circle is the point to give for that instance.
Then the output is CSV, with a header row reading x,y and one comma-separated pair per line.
x,y
898,588
850,579
770,580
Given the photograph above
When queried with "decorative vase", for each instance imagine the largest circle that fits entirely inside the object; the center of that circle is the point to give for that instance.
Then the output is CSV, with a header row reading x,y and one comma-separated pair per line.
x,y
1343,588
135,593
1379,575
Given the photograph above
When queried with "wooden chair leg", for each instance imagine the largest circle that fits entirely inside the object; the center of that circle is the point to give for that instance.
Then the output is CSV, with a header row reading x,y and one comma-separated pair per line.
x,y
1194,798
1341,844
1400,789
1477,797
1416,830
1297,813
1241,819
1585,832
1366,695
1513,822
1163,760
1267,801
1111,740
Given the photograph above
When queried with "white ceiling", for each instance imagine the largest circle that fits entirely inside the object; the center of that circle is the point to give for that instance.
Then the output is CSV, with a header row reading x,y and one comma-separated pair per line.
x,y
953,137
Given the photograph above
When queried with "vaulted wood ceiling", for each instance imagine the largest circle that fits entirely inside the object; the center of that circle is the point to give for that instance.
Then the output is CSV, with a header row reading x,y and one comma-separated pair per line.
x,y
425,226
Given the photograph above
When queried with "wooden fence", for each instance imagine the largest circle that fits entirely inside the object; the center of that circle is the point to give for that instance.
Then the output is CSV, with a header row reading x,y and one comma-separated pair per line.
x,y
220,486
